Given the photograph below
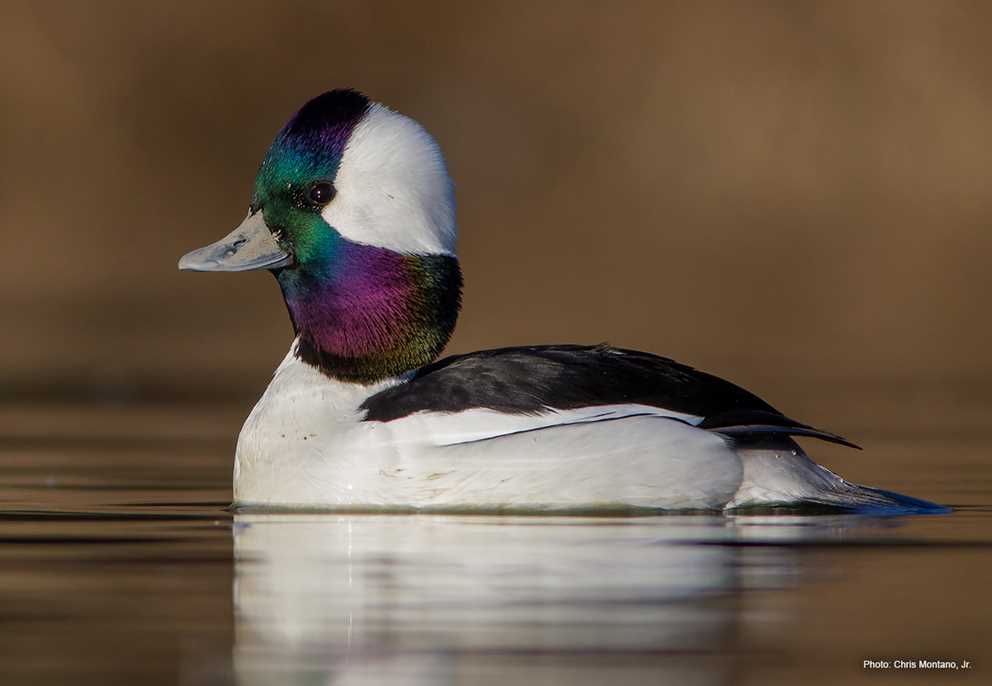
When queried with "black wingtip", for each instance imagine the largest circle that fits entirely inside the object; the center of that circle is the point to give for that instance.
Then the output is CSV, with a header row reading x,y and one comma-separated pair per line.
x,y
757,423
757,430
833,438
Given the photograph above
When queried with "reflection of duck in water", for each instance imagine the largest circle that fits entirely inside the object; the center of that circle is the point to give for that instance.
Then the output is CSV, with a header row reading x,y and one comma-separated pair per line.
x,y
350,598
353,211
442,599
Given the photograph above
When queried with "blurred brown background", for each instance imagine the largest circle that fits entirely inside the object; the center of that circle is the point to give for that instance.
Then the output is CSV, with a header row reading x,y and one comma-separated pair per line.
x,y
794,195
773,191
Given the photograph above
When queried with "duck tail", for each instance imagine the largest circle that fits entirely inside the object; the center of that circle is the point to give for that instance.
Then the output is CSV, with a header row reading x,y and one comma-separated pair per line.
x,y
875,501
778,473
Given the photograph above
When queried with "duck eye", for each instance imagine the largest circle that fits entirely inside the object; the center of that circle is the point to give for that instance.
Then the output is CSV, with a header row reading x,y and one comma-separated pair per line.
x,y
321,193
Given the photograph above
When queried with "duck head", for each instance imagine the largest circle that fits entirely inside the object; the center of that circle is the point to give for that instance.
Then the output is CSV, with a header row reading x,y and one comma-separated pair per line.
x,y
353,212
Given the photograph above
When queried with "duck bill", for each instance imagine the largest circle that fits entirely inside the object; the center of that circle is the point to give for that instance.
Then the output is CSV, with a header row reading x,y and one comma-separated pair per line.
x,y
249,247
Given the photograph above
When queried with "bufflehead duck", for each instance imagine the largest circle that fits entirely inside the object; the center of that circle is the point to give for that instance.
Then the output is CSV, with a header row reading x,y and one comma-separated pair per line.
x,y
353,211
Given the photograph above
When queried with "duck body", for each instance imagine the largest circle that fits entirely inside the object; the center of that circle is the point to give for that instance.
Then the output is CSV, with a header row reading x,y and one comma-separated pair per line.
x,y
501,430
315,442
353,213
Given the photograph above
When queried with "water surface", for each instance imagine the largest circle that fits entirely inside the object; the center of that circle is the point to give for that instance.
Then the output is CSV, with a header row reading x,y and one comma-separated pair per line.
x,y
122,564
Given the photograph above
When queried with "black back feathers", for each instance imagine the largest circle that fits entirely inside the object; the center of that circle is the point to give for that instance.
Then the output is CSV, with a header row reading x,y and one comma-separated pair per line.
x,y
562,377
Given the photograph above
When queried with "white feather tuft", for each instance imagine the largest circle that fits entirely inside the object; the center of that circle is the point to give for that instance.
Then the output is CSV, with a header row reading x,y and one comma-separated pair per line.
x,y
393,188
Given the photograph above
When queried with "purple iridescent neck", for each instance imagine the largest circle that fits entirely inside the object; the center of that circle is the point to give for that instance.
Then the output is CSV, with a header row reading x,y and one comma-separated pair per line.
x,y
366,313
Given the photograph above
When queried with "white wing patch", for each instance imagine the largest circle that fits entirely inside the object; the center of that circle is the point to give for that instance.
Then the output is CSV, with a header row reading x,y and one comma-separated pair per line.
x,y
480,424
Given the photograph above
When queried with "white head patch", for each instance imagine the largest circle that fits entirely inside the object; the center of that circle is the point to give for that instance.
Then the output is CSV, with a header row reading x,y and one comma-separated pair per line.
x,y
393,188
